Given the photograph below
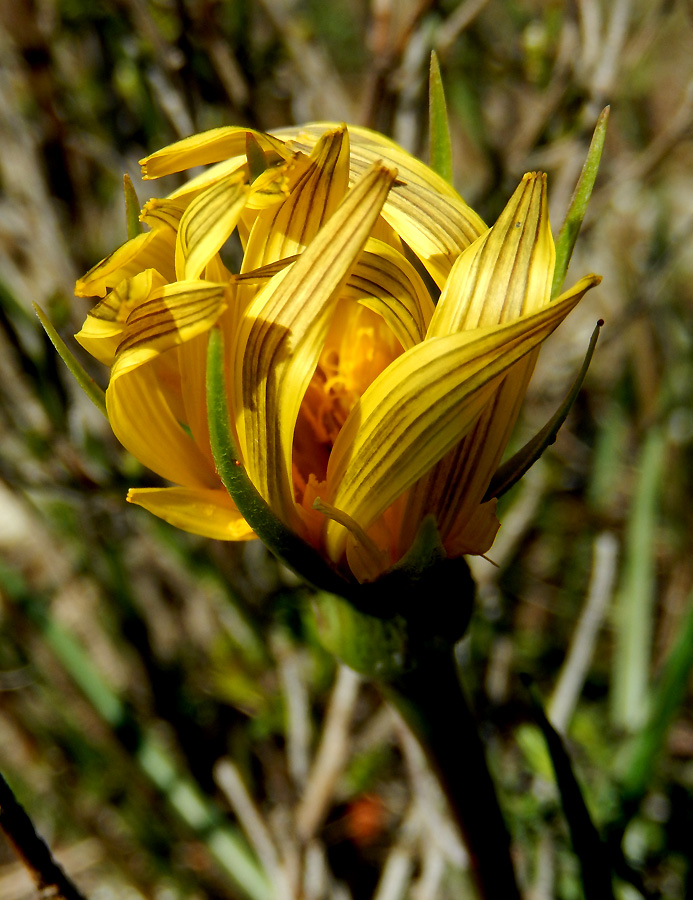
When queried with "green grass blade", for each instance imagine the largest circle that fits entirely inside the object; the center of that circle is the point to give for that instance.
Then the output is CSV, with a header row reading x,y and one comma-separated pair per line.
x,y
668,695
636,595
439,130
85,381
578,205
132,207
519,463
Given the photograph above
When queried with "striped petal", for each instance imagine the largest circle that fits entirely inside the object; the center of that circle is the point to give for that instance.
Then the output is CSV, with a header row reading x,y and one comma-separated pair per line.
x,y
506,273
422,207
420,407
283,333
284,230
164,211
173,314
386,282
151,250
209,147
103,329
207,224
208,512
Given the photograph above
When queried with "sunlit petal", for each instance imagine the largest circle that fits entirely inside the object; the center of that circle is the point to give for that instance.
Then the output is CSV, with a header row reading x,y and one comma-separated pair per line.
x,y
422,207
507,272
209,147
103,329
207,223
284,230
282,335
140,405
210,513
421,406
384,281
151,250
173,314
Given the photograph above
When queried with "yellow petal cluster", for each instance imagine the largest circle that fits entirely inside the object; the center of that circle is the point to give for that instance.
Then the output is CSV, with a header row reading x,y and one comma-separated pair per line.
x,y
379,338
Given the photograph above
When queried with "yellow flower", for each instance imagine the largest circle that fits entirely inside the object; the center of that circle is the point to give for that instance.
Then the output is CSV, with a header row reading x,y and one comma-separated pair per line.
x,y
379,339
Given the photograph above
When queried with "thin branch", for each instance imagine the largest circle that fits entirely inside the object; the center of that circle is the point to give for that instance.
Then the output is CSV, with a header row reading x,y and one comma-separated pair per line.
x,y
32,849
577,663
229,779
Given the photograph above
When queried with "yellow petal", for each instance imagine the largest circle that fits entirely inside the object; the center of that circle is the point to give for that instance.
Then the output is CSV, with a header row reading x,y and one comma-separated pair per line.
x,y
422,207
173,314
283,333
151,250
275,184
386,282
210,513
144,407
163,211
421,406
454,488
209,147
507,272
207,224
209,176
284,230
103,329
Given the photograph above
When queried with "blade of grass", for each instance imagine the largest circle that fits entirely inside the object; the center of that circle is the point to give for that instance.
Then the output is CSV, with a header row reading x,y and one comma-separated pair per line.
x,y
635,597
439,129
667,697
50,878
85,381
578,205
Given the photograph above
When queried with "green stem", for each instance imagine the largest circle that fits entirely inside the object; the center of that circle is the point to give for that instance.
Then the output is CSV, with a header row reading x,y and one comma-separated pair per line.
x,y
432,701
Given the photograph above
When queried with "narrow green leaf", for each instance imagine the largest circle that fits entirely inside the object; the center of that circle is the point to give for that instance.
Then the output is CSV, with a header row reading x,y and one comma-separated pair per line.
x,y
635,598
283,542
668,695
85,381
578,205
596,869
513,469
132,208
439,130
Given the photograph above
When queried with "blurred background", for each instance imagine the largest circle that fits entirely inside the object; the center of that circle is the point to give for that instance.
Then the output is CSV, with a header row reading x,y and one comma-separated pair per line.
x,y
166,715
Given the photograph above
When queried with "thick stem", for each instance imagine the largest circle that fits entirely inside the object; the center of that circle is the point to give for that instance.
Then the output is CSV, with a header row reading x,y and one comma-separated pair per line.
x,y
433,703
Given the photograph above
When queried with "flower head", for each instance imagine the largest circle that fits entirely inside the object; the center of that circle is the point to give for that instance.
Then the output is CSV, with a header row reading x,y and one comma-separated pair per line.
x,y
379,339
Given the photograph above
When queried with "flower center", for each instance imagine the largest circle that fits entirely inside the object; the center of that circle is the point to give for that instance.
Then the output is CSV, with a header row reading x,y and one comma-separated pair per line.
x,y
358,347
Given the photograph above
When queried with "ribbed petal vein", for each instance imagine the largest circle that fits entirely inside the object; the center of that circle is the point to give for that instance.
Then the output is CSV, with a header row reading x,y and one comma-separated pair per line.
x,y
418,409
282,336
